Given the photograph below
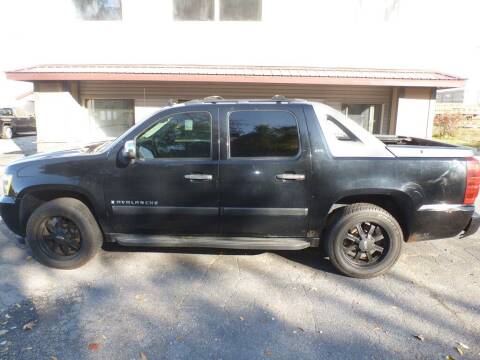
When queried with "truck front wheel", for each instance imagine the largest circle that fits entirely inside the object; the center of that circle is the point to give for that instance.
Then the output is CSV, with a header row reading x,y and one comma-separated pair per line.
x,y
363,240
63,234
7,132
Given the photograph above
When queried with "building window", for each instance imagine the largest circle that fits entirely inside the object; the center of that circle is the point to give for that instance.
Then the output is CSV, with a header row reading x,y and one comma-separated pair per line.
x,y
185,135
223,10
110,118
241,10
263,134
199,10
99,9
366,115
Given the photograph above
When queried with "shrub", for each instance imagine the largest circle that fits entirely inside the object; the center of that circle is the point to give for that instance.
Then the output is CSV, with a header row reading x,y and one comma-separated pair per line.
x,y
447,124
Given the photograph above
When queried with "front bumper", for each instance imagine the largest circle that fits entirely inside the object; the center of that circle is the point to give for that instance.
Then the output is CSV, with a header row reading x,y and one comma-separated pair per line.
x,y
10,213
472,226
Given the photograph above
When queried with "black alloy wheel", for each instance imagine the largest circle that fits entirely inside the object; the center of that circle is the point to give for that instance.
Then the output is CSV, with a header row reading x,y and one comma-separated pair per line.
x,y
363,240
365,244
61,237
63,233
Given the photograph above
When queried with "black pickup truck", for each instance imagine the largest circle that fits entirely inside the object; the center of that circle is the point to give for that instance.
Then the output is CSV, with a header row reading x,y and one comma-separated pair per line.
x,y
11,124
273,174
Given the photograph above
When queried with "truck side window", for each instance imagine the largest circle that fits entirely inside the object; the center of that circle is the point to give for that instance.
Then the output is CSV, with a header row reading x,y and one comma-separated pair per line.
x,y
263,134
185,135
338,130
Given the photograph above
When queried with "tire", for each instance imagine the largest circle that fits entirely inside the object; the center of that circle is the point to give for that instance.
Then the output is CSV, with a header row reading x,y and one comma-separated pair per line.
x,y
372,261
73,212
7,132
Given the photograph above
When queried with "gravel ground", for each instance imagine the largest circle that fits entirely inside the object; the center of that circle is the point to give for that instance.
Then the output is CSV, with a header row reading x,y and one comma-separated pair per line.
x,y
211,304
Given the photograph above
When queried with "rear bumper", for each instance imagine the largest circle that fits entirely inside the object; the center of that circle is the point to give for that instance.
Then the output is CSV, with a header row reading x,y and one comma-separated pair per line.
x,y
472,226
438,221
10,213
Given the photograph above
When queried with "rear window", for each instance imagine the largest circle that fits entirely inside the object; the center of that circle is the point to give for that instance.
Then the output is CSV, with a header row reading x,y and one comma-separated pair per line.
x,y
338,130
263,134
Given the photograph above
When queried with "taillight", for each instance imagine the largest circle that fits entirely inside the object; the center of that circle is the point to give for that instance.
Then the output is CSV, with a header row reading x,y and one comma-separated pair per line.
x,y
473,181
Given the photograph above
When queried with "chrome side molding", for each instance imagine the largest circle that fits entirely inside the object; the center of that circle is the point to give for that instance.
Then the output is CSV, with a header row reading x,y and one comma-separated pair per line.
x,y
446,207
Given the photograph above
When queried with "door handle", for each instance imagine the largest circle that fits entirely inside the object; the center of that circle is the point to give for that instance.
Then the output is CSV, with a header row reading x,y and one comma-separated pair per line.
x,y
294,177
200,177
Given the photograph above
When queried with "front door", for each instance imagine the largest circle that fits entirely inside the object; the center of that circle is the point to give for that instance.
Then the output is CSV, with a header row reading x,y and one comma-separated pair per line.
x,y
172,188
264,171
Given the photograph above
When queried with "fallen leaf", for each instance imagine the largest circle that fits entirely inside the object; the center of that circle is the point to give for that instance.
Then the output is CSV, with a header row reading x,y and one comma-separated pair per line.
x,y
94,346
53,358
3,332
18,305
104,337
449,357
299,328
459,350
462,345
419,337
241,318
29,326
142,356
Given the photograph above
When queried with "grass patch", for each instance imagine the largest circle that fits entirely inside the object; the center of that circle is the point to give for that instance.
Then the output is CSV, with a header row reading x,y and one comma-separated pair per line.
x,y
464,136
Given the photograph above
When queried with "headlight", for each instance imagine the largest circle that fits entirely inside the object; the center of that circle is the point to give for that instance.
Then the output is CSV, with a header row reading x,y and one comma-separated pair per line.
x,y
6,184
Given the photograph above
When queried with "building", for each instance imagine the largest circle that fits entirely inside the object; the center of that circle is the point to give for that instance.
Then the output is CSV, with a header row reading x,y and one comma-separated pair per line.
x,y
75,103
298,49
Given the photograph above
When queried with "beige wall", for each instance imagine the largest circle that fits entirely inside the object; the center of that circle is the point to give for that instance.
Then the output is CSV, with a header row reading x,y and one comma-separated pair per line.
x,y
416,110
60,118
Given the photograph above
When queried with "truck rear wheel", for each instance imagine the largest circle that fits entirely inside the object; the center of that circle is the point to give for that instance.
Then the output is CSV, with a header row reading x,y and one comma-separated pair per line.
x,y
364,240
63,234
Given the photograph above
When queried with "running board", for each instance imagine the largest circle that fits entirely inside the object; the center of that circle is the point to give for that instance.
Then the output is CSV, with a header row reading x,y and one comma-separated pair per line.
x,y
212,242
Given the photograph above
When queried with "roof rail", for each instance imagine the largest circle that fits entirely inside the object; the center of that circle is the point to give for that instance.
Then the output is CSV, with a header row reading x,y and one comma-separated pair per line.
x,y
213,98
218,99
279,98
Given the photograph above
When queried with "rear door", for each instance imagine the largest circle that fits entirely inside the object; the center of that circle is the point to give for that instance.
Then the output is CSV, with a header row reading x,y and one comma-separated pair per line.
x,y
264,170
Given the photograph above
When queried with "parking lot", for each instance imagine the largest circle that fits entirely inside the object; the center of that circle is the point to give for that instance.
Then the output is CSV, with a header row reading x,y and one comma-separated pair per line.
x,y
213,304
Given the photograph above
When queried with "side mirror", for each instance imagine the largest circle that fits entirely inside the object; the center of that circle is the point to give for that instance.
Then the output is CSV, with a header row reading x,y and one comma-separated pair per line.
x,y
130,150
